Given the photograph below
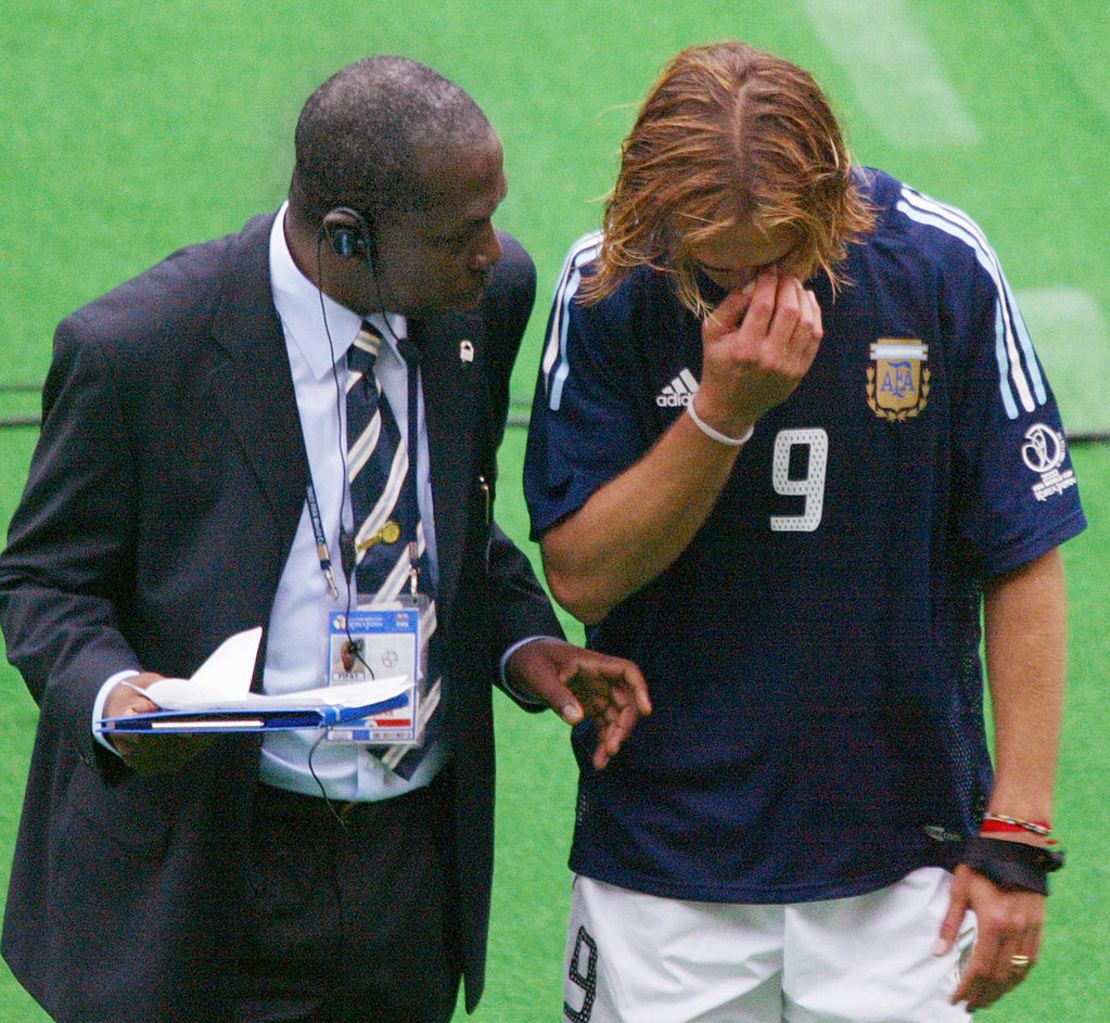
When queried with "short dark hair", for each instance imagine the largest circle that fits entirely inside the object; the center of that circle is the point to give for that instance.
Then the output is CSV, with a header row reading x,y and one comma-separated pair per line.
x,y
363,137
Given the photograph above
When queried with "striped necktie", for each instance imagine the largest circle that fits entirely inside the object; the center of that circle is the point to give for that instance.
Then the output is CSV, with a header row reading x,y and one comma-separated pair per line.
x,y
388,534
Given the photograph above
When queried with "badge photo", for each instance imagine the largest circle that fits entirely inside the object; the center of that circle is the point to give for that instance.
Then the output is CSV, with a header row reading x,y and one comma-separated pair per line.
x,y
377,643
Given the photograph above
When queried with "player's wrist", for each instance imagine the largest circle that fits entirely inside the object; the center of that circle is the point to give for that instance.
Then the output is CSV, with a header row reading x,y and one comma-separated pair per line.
x,y
1012,864
731,431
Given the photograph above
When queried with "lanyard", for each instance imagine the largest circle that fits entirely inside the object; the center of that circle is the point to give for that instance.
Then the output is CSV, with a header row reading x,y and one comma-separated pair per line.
x,y
322,551
409,356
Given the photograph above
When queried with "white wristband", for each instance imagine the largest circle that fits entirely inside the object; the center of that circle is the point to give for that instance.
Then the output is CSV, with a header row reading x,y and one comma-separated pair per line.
x,y
720,438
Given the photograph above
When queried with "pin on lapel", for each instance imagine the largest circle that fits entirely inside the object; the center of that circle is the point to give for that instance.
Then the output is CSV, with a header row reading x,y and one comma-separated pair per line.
x,y
466,351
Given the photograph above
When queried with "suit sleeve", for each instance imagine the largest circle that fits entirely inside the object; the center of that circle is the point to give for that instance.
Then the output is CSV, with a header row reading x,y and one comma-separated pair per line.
x,y
64,573
521,608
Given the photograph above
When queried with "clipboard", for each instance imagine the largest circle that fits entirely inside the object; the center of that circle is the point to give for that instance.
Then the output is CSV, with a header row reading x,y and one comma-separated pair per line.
x,y
217,720
217,698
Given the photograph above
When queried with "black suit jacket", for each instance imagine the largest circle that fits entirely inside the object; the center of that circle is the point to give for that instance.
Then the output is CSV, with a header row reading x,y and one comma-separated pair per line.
x,y
162,502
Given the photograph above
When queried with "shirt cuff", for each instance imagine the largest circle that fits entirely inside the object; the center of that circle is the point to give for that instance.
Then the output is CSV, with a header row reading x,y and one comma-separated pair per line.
x,y
516,694
98,706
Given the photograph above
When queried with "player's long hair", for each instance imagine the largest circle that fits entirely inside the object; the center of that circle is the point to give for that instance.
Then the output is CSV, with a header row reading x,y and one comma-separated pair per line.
x,y
729,136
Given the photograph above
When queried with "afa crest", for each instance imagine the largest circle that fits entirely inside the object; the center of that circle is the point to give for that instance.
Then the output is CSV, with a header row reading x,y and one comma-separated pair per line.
x,y
898,379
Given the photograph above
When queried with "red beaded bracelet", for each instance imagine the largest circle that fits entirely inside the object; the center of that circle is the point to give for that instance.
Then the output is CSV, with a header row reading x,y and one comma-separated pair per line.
x,y
1000,822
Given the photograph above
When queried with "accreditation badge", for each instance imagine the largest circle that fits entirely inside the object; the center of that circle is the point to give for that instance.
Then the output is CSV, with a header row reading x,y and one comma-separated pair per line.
x,y
380,641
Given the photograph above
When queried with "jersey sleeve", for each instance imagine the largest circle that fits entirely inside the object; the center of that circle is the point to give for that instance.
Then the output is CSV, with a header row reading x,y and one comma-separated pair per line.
x,y
1016,496
584,429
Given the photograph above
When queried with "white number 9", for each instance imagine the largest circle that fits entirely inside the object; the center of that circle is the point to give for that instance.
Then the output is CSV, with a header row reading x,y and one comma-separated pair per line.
x,y
811,486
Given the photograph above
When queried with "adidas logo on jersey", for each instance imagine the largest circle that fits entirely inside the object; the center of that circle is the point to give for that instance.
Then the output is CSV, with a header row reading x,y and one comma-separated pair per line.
x,y
679,392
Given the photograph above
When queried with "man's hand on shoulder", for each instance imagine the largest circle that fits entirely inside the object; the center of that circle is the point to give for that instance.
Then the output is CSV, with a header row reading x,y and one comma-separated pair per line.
x,y
147,754
578,683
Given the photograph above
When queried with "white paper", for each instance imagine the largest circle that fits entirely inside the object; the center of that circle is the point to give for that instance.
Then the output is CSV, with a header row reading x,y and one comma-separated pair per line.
x,y
223,683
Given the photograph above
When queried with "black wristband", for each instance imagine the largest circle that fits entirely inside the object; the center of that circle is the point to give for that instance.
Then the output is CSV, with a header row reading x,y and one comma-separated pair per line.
x,y
1012,864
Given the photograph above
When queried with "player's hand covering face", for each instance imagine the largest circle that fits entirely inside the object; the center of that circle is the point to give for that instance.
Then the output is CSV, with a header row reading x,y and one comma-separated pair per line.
x,y
757,345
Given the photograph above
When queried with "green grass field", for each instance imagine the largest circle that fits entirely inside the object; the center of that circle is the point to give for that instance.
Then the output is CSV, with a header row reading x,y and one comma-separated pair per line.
x,y
132,128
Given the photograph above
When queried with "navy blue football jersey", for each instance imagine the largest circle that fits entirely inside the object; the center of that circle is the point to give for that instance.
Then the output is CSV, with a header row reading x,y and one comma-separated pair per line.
x,y
813,656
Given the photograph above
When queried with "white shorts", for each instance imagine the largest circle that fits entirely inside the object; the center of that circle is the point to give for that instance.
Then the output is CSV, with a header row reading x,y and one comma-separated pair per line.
x,y
636,958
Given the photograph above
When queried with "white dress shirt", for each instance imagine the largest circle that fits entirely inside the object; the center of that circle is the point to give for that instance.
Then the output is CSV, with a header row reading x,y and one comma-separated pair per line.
x,y
296,654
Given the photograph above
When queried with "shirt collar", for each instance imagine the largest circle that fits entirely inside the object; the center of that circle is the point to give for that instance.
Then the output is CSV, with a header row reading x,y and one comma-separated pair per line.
x,y
308,317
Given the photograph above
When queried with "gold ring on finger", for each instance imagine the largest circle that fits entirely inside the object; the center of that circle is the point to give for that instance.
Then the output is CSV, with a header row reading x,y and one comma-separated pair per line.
x,y
1021,962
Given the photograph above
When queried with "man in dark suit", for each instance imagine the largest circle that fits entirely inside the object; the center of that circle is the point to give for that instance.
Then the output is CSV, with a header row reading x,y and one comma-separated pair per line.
x,y
186,415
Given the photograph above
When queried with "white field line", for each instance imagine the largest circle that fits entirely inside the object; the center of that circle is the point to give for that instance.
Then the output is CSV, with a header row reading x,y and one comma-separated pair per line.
x,y
897,78
1072,338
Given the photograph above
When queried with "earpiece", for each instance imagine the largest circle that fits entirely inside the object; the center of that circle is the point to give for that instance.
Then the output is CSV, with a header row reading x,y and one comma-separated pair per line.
x,y
350,236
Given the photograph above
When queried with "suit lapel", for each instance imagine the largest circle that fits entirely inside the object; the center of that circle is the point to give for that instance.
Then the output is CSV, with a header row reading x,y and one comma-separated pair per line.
x,y
254,387
253,383
451,387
